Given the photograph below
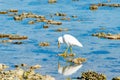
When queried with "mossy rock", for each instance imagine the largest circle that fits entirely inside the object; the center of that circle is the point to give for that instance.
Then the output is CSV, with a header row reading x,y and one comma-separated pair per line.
x,y
91,75
116,78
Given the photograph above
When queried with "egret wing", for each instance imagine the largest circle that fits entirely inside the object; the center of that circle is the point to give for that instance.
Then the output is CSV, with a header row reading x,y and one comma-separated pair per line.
x,y
71,40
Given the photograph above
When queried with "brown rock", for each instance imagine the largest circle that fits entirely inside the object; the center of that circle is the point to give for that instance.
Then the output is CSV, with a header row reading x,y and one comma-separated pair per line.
x,y
93,7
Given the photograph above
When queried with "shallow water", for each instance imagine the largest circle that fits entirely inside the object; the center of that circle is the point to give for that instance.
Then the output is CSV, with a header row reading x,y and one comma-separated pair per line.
x,y
102,54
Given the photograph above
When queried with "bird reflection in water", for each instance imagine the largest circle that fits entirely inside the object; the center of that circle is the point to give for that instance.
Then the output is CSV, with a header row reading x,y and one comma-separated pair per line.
x,y
69,69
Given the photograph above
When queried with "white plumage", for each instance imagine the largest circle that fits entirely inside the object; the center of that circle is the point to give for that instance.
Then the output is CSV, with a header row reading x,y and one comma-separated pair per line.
x,y
69,40
68,70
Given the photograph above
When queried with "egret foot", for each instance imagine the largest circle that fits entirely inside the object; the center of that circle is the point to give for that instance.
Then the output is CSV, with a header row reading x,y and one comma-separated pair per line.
x,y
66,55
63,54
71,50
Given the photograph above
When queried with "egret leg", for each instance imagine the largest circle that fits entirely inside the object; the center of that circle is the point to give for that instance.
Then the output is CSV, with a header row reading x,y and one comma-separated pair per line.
x,y
65,52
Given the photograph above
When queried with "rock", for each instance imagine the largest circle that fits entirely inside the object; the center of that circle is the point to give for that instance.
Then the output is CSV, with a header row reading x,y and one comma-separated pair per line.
x,y
114,5
17,42
103,4
13,10
6,41
23,65
46,26
91,75
47,77
74,16
65,18
36,66
61,29
19,72
3,66
4,35
31,22
17,37
93,7
77,60
44,44
116,78
52,1
54,22
107,35
109,5
18,18
22,72
60,14
113,36
3,12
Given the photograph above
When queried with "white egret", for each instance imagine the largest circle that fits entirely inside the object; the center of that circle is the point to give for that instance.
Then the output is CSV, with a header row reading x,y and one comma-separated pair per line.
x,y
70,41
68,70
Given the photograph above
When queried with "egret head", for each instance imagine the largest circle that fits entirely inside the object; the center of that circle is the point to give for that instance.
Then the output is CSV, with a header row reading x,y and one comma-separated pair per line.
x,y
60,40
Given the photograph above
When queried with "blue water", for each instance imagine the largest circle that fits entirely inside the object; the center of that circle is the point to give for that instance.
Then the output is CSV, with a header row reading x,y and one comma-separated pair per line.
x,y
102,55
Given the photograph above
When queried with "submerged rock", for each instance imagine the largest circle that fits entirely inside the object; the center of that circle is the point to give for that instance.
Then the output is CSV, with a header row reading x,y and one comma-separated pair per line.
x,y
107,35
44,44
45,26
74,16
31,22
52,1
65,18
61,29
17,42
6,41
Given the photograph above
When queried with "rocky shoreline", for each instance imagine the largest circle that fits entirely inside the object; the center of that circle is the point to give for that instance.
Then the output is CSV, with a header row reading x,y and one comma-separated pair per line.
x,y
25,72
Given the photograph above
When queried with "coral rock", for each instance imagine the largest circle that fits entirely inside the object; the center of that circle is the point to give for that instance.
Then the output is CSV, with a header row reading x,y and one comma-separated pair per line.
x,y
116,78
91,75
61,29
3,66
93,7
44,44
3,12
52,1
77,60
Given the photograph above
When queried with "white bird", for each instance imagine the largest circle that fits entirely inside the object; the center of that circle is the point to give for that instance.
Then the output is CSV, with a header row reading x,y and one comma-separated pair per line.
x,y
68,70
70,41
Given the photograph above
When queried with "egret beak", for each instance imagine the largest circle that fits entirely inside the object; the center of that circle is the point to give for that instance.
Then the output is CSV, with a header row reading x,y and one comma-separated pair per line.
x,y
58,44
